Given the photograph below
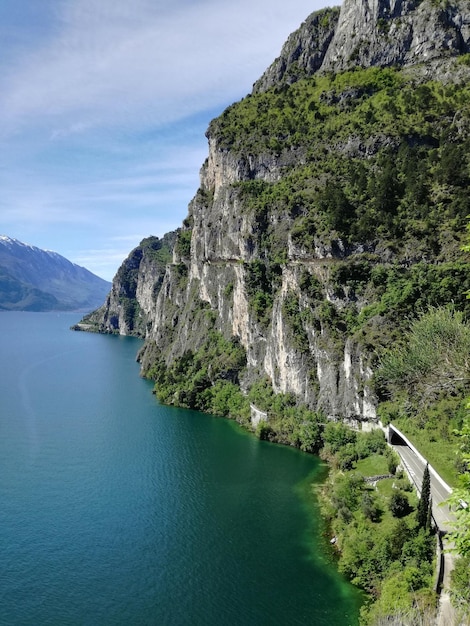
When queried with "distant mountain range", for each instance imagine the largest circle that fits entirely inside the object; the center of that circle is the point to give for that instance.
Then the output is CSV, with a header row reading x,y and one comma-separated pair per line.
x,y
32,279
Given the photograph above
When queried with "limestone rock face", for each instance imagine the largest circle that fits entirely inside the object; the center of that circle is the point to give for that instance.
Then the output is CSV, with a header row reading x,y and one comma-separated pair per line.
x,y
385,33
365,33
130,305
216,275
304,51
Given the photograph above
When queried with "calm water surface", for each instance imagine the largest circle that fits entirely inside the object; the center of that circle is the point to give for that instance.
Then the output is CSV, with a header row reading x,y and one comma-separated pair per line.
x,y
115,510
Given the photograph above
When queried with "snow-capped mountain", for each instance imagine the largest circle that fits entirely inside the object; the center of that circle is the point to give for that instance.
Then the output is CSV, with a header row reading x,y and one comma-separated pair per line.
x,y
33,279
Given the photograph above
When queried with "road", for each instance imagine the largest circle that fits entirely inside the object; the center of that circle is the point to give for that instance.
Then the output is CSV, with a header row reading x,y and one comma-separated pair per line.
x,y
443,516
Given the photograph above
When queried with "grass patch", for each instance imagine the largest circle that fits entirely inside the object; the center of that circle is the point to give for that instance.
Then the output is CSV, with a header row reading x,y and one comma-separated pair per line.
x,y
373,465
386,487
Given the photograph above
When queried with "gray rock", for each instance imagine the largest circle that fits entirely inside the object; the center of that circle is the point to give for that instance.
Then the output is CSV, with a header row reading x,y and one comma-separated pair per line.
x,y
371,33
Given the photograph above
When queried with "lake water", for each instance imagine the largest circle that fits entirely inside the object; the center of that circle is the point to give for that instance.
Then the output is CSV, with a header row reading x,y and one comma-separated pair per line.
x,y
116,510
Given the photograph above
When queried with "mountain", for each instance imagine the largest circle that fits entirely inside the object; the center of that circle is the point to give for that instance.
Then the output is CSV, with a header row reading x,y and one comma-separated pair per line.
x,y
32,279
134,289
331,211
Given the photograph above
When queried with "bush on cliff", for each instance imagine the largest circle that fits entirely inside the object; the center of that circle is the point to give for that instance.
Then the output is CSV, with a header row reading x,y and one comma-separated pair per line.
x,y
206,380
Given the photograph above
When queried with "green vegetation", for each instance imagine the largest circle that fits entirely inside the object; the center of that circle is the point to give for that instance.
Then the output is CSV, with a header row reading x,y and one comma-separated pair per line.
x,y
399,504
380,544
183,243
289,422
460,503
158,250
435,438
460,587
423,514
460,499
424,380
372,166
412,186
433,361
262,280
296,316
374,465
426,377
206,380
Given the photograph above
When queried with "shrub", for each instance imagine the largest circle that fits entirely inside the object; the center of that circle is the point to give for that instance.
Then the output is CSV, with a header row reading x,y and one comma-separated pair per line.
x,y
183,244
370,507
460,587
399,504
370,443
434,357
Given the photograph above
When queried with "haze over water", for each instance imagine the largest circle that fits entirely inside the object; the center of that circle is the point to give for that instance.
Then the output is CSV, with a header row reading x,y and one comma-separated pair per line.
x,y
116,510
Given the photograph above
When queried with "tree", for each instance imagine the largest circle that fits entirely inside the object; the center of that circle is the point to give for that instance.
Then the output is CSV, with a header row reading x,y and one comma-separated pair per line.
x,y
399,504
433,360
370,507
423,513
460,499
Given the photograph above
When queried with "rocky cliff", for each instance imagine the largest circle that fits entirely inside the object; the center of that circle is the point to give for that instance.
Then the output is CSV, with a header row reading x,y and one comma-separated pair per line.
x,y
130,305
331,208
373,33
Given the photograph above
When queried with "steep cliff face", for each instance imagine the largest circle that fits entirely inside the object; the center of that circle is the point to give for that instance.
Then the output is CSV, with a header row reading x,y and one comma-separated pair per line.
x,y
373,32
130,305
328,210
398,32
326,372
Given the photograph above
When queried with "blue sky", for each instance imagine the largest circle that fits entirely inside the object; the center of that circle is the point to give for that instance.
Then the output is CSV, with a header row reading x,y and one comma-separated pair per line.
x,y
103,109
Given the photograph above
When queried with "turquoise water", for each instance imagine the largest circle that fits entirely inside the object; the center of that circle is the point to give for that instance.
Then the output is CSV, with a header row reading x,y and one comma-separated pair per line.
x,y
115,510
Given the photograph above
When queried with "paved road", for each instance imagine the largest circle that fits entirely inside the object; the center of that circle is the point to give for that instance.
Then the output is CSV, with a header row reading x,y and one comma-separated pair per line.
x,y
443,518
442,515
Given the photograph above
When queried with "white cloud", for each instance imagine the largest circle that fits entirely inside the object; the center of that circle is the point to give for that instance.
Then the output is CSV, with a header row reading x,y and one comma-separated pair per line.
x,y
102,262
165,176
114,62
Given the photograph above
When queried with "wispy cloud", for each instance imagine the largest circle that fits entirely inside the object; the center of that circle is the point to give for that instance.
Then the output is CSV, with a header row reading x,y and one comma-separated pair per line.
x,y
114,62
148,191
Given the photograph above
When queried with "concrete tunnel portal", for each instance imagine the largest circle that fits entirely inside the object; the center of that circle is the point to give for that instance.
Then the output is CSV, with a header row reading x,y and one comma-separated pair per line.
x,y
395,438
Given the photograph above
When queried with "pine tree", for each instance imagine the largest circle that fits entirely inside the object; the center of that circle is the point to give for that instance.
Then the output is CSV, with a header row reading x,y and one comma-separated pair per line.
x,y
423,514
429,516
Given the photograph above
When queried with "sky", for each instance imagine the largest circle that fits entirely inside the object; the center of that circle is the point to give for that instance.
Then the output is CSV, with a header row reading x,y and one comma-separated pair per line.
x,y
104,106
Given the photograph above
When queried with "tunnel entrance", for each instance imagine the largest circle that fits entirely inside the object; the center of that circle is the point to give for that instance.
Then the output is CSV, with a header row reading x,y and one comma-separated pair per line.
x,y
394,438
